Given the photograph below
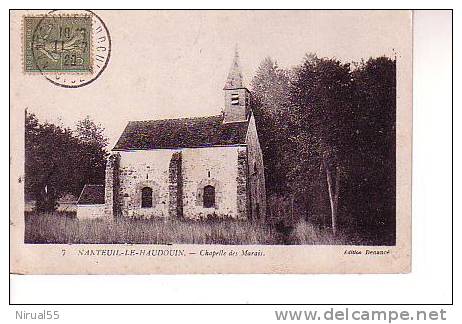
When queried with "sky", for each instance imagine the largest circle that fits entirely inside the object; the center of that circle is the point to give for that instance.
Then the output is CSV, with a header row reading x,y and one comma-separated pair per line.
x,y
168,64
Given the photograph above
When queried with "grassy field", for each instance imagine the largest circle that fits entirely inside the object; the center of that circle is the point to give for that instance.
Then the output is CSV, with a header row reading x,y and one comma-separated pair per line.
x,y
63,227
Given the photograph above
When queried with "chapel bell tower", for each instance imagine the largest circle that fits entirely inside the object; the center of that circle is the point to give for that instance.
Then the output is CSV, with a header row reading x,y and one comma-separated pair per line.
x,y
237,96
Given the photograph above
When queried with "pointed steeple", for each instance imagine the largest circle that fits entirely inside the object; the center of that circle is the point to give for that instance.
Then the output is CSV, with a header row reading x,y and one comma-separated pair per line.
x,y
237,96
234,80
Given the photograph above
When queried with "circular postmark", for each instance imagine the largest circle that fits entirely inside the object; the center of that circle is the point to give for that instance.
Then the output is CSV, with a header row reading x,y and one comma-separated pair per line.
x,y
70,48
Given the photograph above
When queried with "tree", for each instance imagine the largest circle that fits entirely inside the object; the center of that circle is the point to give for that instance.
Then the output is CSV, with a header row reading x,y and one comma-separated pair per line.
x,y
270,98
48,162
321,95
270,105
327,133
91,161
88,132
372,186
59,162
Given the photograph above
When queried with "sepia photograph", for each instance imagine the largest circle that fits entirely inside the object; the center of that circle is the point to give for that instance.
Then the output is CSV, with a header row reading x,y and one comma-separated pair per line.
x,y
186,131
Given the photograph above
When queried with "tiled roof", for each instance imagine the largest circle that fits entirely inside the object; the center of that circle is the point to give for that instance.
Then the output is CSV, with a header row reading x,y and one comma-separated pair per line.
x,y
180,133
91,195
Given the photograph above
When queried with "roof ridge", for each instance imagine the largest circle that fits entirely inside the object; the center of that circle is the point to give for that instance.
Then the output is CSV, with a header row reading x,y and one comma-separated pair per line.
x,y
182,118
181,132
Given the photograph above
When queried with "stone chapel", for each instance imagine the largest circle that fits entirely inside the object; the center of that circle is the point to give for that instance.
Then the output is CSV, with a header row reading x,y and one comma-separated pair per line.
x,y
190,168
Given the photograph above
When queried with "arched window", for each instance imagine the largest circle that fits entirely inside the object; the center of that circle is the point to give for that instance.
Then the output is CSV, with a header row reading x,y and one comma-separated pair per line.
x,y
146,197
209,196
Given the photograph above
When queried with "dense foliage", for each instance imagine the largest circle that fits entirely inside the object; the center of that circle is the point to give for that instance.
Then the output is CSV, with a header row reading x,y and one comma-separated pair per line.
x,y
327,132
61,161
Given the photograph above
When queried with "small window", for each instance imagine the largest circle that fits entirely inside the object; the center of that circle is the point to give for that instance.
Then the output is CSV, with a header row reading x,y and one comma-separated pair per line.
x,y
209,197
235,99
146,197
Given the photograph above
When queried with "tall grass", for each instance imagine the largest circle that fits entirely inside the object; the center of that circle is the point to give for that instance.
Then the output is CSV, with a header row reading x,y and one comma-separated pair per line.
x,y
63,227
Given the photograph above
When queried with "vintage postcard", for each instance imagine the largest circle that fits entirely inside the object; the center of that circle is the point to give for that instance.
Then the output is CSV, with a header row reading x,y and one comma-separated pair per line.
x,y
215,141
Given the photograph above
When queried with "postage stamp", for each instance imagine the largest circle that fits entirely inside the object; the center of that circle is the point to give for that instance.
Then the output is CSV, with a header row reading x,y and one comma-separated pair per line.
x,y
69,48
56,43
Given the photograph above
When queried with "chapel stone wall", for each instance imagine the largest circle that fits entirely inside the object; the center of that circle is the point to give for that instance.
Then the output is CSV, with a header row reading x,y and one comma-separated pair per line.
x,y
111,188
210,166
256,174
140,169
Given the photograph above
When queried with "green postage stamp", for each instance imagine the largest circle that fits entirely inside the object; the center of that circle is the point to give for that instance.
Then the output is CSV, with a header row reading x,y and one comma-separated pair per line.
x,y
57,43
